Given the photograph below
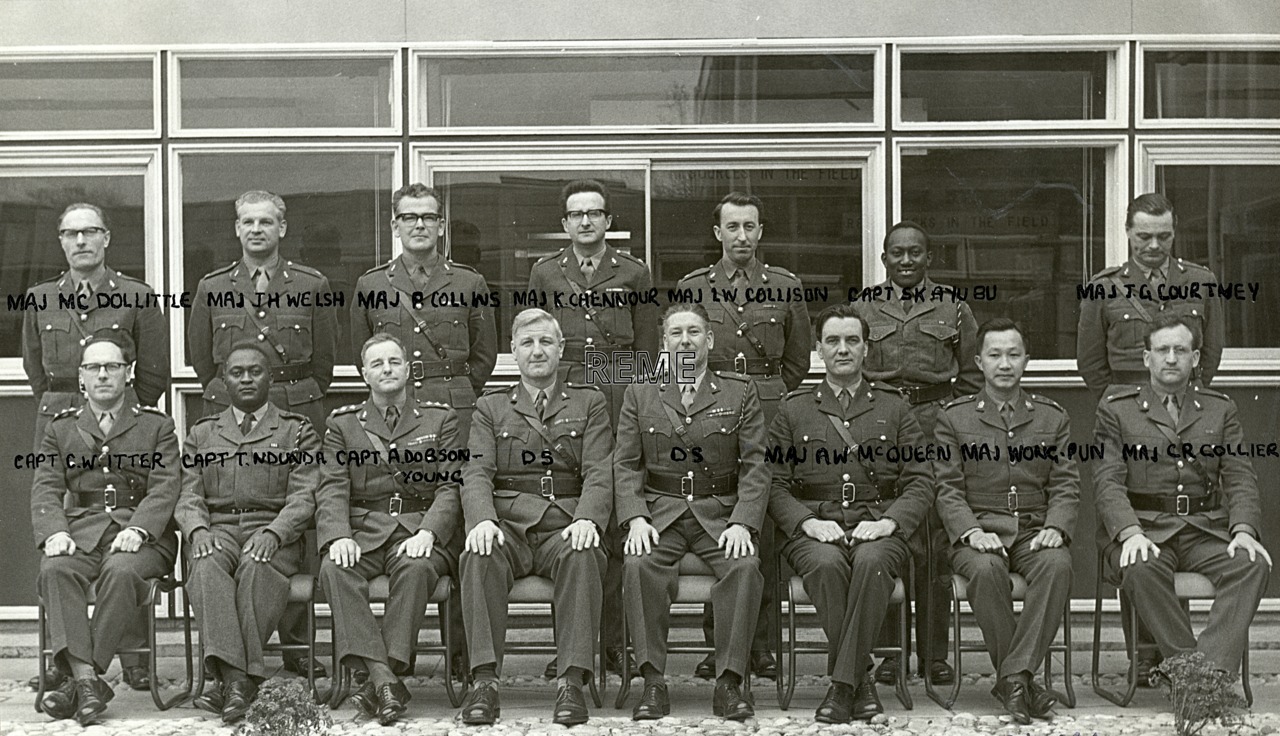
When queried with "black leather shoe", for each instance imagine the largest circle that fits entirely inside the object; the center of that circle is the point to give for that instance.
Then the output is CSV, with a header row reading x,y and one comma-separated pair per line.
x,y
940,672
92,697
302,664
887,672
1039,702
54,676
1147,674
866,701
706,669
365,698
137,677
613,661
837,707
764,665
393,701
552,669
212,699
240,695
730,703
60,702
1012,694
482,706
653,704
571,707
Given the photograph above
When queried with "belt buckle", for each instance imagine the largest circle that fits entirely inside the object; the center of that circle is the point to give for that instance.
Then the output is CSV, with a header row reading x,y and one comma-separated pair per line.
x,y
1182,504
686,486
740,363
547,487
395,505
847,494
416,370
109,499
1013,502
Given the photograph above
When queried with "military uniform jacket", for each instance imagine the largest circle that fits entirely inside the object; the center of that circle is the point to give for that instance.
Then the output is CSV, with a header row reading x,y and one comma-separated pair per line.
x,y
617,274
304,332
461,326
423,427
877,420
279,496
86,462
1110,337
724,427
781,327
934,343
508,441
979,491
1136,416
53,338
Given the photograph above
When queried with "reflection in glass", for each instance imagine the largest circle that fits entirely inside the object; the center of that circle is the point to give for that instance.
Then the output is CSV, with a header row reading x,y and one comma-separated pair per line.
x,y
958,87
29,247
1228,218
674,89
286,93
339,214
1212,84
1028,222
76,95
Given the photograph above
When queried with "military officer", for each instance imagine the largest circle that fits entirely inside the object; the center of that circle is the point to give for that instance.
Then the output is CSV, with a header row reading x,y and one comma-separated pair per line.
x,y
115,531
589,266
536,498
386,518
1005,514
767,339
922,342
435,306
690,476
846,525
243,518
1178,500
53,338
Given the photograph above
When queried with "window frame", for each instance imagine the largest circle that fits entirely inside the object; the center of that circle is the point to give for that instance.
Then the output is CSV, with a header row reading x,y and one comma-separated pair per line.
x,y
93,133
1203,44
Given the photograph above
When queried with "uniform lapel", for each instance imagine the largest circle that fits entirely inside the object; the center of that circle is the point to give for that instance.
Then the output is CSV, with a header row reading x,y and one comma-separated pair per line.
x,y
989,412
557,399
1022,411
1190,412
125,419
374,421
893,304
705,396
669,392
87,423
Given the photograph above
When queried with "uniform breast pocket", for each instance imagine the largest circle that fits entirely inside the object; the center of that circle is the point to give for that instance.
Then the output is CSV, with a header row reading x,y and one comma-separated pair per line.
x,y
944,336
658,438
56,340
387,320
293,330
618,319
882,353
719,438
1125,324
569,436
768,324
227,330
517,446
449,327
1193,310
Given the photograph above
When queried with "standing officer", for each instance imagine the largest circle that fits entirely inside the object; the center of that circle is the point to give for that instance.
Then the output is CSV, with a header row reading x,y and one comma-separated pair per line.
x,y
54,337
536,498
690,477
1165,509
589,267
439,309
115,533
1003,515
279,304
243,521
846,526
766,339
377,519
922,342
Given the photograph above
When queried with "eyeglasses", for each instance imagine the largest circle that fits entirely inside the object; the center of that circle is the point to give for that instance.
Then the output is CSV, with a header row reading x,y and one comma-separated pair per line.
x,y
88,232
409,218
577,215
98,367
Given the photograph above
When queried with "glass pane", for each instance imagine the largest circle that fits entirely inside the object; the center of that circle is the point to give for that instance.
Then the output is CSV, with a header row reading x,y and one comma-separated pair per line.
x,y
501,223
812,225
286,93
29,245
339,214
951,87
1228,218
648,90
1023,224
76,95
1212,84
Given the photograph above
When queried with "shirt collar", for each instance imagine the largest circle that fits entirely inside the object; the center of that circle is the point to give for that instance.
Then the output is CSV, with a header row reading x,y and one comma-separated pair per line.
x,y
113,410
729,268
239,415
533,391
595,257
1180,397
1163,270
853,390
697,382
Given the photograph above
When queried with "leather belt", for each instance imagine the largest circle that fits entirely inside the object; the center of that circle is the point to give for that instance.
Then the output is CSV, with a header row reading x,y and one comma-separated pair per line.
x,y
845,493
395,505
925,394
1181,504
423,369
687,486
579,354
71,385
748,366
1013,501
547,486
108,499
238,510
291,371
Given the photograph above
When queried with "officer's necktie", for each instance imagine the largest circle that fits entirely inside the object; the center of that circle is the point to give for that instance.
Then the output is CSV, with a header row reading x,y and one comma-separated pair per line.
x,y
246,424
686,396
540,404
419,277
1006,413
104,422
1157,279
588,270
85,291
260,280
740,281
393,416
1171,404
844,400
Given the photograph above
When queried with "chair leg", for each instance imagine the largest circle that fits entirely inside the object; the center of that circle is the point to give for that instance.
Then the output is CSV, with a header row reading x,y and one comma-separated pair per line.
x,y
445,612
1131,646
624,688
1244,677
596,692
42,665
311,646
929,687
904,644
1069,690
152,655
791,651
780,596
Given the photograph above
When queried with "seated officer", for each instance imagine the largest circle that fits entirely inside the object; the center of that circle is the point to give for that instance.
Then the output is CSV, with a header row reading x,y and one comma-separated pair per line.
x,y
846,525
243,521
114,533
690,477
1178,501
376,520
536,497
1001,515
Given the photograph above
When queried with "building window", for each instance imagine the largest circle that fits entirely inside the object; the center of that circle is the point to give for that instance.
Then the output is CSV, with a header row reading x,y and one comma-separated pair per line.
x,y
1198,84
56,98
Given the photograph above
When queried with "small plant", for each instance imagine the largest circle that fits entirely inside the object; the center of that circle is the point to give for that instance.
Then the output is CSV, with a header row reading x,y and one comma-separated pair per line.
x,y
285,708
1200,693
